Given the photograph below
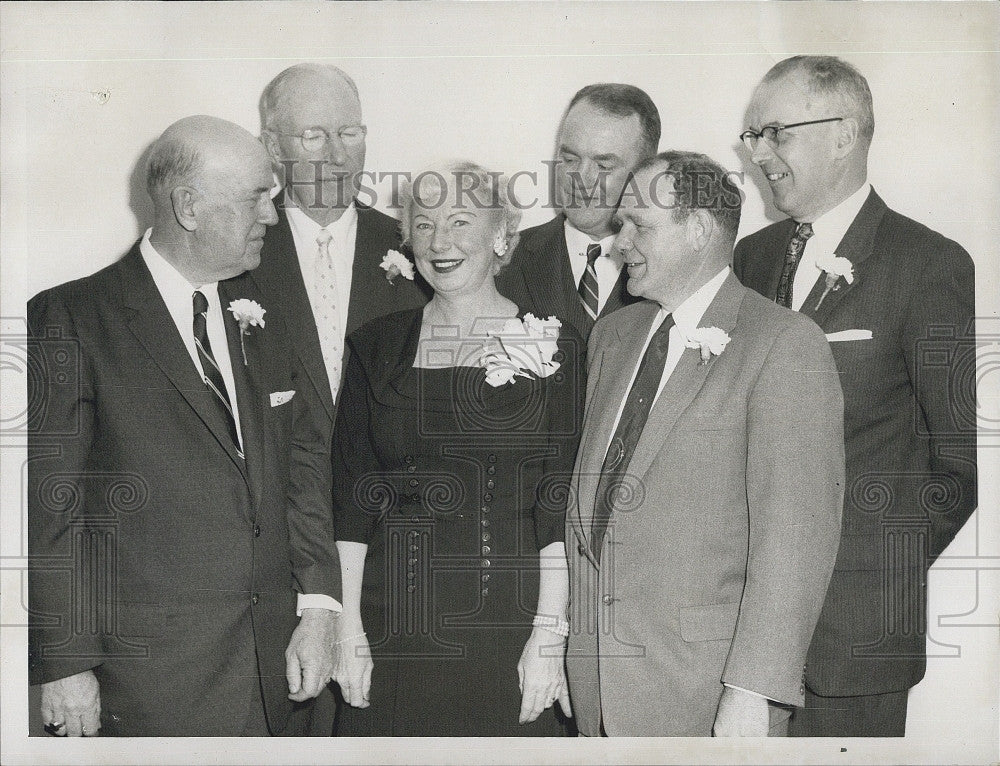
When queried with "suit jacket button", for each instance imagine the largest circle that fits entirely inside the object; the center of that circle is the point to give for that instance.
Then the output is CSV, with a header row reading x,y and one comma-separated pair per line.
x,y
256,530
608,600
581,549
254,598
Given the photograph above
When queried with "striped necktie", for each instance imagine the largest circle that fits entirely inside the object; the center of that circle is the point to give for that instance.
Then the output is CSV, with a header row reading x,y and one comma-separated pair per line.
x,y
792,257
213,375
588,289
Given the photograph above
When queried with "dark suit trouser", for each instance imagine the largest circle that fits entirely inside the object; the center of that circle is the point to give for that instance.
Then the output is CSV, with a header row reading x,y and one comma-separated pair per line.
x,y
870,715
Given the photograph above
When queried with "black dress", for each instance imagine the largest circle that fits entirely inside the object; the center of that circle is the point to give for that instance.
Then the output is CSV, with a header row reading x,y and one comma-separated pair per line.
x,y
455,485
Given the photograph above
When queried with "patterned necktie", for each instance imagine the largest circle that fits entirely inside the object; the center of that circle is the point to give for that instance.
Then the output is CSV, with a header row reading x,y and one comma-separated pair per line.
x,y
792,257
637,406
588,289
213,375
325,310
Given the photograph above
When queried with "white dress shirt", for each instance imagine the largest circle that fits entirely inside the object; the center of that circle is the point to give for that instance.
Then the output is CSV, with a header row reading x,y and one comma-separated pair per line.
x,y
828,230
608,266
178,294
344,234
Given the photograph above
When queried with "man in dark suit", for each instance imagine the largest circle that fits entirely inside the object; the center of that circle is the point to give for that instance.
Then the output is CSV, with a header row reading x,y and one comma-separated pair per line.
x,y
896,301
321,261
175,527
567,267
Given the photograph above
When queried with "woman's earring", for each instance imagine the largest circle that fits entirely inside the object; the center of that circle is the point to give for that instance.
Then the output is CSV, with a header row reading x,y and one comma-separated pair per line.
x,y
500,244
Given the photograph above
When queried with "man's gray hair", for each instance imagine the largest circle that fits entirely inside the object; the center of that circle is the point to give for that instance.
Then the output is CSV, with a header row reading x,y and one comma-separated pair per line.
x,y
172,162
831,76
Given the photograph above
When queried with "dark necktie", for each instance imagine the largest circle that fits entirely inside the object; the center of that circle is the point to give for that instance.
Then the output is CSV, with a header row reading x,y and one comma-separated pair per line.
x,y
792,257
588,289
213,376
633,420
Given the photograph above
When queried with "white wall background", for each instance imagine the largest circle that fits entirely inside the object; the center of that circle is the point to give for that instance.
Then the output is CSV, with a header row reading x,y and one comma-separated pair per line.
x,y
87,87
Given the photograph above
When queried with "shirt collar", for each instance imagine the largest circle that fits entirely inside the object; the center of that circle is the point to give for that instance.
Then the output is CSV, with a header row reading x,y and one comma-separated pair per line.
x,y
173,286
306,227
690,312
831,227
577,241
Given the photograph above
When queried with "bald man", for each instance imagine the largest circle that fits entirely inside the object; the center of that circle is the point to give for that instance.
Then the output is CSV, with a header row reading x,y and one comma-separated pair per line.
x,y
184,580
321,260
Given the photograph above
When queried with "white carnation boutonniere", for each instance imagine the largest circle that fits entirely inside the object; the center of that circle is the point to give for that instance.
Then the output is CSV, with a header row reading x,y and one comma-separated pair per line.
x,y
396,264
249,314
710,341
523,349
834,267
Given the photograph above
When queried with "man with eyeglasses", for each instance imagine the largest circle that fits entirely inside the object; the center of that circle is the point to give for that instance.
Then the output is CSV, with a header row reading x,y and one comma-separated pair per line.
x,y
321,260
897,302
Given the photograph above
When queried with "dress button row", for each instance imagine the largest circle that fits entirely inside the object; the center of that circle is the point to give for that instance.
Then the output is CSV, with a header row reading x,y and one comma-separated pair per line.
x,y
491,470
411,469
485,562
485,522
488,497
408,459
414,483
411,588
486,537
486,550
490,484
492,458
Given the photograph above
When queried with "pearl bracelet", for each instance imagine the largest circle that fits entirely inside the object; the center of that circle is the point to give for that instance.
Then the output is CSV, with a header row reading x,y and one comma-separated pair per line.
x,y
349,638
555,625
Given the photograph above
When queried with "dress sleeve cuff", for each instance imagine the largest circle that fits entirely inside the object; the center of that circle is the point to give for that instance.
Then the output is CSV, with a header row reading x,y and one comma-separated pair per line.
x,y
316,601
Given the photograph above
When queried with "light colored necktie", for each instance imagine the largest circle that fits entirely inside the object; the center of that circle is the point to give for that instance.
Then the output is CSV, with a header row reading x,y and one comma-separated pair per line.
x,y
326,311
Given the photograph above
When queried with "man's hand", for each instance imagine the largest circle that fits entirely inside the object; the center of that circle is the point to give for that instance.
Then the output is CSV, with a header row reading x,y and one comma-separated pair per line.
x,y
309,658
74,702
741,714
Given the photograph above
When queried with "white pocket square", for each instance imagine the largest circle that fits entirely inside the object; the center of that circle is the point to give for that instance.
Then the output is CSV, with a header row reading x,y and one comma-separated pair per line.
x,y
833,337
280,397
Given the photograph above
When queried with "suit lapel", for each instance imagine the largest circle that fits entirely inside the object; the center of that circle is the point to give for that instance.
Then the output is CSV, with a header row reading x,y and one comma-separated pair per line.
x,y
544,287
686,380
857,244
250,389
155,330
618,363
279,274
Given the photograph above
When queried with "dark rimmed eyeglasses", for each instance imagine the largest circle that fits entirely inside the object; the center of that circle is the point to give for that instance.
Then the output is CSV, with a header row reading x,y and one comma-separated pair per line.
x,y
770,132
314,139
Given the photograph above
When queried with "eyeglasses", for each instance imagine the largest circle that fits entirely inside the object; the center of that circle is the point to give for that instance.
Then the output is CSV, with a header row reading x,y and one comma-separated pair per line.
x,y
314,139
770,132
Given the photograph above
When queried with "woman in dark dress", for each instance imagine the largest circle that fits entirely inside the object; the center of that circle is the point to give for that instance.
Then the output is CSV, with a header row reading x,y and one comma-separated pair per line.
x,y
455,439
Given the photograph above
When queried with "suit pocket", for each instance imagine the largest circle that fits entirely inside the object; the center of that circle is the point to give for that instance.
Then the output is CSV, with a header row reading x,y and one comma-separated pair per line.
x,y
144,620
709,622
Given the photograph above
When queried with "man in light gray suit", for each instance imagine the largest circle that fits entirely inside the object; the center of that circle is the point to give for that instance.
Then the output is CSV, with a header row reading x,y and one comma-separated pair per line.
x,y
708,485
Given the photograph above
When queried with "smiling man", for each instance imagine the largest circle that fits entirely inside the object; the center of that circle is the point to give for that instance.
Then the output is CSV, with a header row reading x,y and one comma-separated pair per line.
x,y
895,299
567,267
708,484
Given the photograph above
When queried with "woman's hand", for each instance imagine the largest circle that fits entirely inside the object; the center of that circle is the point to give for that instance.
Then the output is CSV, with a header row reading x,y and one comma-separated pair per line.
x,y
542,675
353,670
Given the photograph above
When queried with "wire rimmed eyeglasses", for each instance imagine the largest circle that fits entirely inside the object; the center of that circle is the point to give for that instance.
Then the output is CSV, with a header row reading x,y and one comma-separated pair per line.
x,y
770,133
316,138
